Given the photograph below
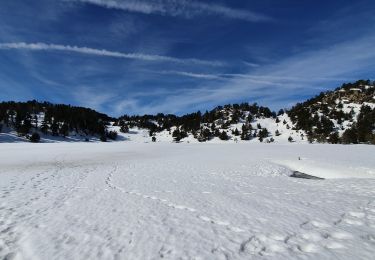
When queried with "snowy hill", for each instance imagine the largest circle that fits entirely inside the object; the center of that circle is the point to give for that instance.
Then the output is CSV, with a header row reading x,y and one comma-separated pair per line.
x,y
22,121
230,123
345,115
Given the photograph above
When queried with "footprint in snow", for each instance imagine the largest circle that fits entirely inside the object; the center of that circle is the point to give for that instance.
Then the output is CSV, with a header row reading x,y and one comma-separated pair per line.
x,y
353,222
308,248
357,214
309,225
341,235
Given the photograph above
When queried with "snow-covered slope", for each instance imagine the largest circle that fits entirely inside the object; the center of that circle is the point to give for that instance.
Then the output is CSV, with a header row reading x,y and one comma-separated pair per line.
x,y
346,115
229,119
10,135
186,201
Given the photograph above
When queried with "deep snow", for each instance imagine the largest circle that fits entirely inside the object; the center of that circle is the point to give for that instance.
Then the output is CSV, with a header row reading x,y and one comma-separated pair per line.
x,y
128,200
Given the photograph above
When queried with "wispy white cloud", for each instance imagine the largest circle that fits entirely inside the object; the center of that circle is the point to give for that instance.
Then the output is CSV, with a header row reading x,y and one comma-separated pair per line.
x,y
178,8
106,53
193,75
251,64
277,85
262,79
88,97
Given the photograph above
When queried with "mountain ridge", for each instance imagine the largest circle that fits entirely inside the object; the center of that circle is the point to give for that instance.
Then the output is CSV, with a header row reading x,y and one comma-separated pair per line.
x,y
344,115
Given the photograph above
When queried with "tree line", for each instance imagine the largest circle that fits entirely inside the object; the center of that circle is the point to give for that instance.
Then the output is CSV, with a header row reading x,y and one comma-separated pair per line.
x,y
33,117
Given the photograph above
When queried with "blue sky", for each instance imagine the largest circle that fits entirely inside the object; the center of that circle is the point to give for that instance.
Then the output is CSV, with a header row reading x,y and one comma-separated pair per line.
x,y
178,56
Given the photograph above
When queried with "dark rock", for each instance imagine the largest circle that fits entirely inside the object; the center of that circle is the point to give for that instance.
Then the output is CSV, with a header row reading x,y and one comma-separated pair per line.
x,y
301,175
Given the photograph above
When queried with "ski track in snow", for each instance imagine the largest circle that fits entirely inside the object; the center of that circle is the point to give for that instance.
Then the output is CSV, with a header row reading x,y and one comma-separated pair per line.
x,y
183,204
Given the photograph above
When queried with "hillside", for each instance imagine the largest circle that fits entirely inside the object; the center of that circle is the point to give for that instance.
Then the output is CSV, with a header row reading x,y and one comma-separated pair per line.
x,y
19,120
235,123
345,115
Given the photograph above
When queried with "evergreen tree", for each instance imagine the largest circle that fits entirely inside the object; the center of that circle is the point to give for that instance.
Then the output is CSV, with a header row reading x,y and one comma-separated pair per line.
x,y
35,120
245,134
350,136
217,133
44,127
334,138
35,138
224,136
124,129
205,135
64,130
178,135
281,112
24,127
263,133
55,129
112,135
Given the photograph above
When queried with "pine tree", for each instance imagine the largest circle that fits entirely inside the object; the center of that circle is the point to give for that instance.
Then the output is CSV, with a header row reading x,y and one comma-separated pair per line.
x,y
178,135
55,128
245,134
24,127
281,112
35,119
213,127
124,129
334,138
35,138
224,136
44,127
112,135
350,136
64,130
205,135
263,133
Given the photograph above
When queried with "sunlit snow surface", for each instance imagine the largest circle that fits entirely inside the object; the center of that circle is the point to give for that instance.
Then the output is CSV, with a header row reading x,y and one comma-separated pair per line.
x,y
186,201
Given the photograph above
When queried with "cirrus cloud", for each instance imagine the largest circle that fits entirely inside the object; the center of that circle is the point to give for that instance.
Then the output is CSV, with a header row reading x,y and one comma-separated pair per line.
x,y
178,8
106,53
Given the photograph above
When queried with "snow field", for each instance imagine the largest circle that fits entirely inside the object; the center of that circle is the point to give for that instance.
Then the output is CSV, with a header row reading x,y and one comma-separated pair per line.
x,y
181,201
